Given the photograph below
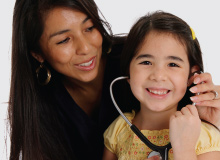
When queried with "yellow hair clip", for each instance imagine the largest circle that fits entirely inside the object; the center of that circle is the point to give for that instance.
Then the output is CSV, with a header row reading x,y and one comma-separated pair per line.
x,y
193,34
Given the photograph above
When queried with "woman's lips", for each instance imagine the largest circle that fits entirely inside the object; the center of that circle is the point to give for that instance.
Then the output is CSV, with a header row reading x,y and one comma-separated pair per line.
x,y
88,65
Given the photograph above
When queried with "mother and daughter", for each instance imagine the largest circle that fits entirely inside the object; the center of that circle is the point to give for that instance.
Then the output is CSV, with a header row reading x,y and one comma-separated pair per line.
x,y
160,56
64,57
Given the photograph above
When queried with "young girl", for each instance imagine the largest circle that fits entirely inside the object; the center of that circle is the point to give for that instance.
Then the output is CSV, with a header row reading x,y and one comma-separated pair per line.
x,y
160,55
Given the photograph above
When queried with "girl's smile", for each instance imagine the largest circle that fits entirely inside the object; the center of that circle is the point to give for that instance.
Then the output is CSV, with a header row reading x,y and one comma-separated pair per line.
x,y
158,93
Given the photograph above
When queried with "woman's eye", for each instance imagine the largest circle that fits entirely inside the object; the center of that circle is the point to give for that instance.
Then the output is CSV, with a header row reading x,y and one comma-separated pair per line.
x,y
173,65
64,41
146,63
90,29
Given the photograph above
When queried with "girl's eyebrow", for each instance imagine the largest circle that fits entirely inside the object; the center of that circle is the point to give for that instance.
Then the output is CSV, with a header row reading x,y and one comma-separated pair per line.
x,y
66,30
175,58
144,56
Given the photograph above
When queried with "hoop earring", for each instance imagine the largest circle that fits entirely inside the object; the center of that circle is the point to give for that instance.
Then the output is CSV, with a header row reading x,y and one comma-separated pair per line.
x,y
109,50
41,71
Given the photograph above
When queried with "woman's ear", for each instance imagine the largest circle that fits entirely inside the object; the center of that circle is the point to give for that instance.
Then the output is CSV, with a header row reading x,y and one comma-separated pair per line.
x,y
38,57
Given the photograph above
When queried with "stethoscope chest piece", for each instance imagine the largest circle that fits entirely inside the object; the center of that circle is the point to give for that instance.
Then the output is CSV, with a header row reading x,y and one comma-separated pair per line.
x,y
154,153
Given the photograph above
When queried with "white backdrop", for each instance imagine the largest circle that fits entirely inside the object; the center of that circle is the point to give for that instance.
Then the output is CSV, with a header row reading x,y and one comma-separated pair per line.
x,y
202,16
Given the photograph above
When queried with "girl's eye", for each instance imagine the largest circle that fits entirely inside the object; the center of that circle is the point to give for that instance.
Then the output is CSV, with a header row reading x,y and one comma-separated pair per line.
x,y
64,41
146,63
90,29
173,65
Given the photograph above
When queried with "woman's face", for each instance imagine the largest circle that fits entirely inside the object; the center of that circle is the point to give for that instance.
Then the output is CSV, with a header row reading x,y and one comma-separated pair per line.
x,y
71,44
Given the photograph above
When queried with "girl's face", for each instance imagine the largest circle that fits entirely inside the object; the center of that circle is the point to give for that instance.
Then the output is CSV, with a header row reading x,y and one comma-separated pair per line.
x,y
71,44
159,72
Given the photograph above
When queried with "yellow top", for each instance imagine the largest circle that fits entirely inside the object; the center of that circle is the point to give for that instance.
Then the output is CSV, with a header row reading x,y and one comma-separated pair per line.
x,y
122,141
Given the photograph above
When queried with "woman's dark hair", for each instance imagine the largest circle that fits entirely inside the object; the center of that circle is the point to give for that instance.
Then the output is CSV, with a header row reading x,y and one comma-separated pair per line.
x,y
34,125
161,22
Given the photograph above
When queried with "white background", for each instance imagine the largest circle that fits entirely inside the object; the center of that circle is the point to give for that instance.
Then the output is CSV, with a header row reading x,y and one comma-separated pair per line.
x,y
202,16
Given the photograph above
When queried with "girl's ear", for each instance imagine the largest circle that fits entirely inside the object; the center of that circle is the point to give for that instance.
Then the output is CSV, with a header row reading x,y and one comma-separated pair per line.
x,y
38,57
195,69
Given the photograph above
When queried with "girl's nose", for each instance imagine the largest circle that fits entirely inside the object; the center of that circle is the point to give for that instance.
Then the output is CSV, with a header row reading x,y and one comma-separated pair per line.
x,y
158,74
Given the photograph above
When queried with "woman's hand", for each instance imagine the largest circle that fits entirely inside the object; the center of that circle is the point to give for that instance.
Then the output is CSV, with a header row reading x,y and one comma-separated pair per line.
x,y
185,128
207,103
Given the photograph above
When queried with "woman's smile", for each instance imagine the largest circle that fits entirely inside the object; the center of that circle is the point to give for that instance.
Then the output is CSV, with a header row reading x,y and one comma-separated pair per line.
x,y
87,65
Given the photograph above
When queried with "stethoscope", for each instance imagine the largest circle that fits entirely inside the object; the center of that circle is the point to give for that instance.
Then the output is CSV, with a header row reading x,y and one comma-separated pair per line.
x,y
161,151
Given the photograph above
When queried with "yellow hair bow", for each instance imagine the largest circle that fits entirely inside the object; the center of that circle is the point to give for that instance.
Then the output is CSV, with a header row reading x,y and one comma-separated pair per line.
x,y
193,34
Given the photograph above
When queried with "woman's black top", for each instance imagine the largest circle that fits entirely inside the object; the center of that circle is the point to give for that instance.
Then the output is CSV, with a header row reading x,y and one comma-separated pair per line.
x,y
83,134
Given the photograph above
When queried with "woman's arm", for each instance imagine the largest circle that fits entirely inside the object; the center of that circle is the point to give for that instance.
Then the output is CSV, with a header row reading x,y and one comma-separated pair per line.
x,y
207,104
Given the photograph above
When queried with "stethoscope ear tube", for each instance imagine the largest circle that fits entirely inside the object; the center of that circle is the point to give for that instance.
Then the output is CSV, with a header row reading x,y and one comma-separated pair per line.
x,y
163,150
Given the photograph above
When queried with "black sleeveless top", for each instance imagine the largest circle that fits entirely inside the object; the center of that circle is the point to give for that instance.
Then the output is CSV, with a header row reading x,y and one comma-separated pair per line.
x,y
83,134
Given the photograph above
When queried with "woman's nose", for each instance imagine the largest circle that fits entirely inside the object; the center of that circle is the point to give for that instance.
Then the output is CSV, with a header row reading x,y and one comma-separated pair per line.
x,y
82,46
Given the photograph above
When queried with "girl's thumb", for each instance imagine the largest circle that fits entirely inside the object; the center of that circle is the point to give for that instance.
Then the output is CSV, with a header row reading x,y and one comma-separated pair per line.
x,y
153,158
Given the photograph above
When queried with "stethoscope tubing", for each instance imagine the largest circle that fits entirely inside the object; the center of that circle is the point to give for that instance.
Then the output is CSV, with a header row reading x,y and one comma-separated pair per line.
x,y
163,150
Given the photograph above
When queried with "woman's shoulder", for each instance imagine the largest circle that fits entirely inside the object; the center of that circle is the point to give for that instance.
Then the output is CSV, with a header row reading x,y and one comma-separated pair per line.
x,y
209,139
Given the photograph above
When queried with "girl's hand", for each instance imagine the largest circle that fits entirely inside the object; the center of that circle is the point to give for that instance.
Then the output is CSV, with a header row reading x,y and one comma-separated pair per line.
x,y
153,158
207,104
185,128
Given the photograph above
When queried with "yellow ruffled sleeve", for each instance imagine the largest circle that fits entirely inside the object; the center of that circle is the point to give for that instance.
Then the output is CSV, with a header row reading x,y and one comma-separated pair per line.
x,y
209,139
111,134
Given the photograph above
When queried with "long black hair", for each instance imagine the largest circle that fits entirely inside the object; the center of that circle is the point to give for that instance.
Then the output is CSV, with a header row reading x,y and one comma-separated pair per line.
x,y
161,22
34,126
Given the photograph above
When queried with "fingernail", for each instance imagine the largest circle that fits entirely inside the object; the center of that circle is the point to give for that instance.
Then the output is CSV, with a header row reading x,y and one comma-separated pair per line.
x,y
193,98
193,89
196,81
195,74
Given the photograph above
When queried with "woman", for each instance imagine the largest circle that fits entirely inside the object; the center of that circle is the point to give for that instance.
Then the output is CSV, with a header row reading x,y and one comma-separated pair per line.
x,y
63,60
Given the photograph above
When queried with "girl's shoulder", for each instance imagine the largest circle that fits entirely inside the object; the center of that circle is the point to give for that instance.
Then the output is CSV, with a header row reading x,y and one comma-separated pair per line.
x,y
209,139
119,124
117,128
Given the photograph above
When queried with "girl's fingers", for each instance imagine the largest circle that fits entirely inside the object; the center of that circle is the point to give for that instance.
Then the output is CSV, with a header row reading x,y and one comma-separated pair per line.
x,y
178,113
193,110
186,111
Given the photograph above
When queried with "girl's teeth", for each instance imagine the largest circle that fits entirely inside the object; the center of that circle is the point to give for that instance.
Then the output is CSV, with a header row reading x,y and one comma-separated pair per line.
x,y
86,64
158,92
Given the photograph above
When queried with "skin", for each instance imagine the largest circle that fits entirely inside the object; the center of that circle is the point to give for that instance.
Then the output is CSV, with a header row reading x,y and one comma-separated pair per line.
x,y
155,74
155,80
208,107
69,42
69,39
